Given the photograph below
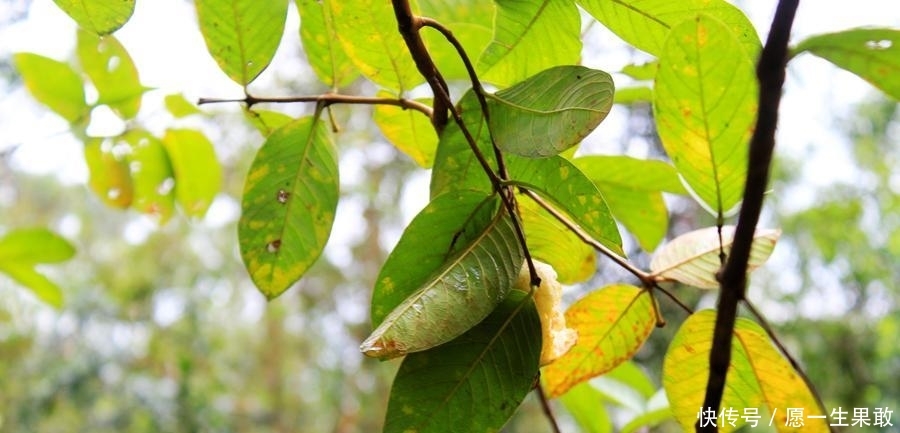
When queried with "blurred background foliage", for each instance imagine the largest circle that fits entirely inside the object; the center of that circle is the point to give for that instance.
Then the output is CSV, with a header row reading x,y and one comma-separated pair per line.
x,y
162,330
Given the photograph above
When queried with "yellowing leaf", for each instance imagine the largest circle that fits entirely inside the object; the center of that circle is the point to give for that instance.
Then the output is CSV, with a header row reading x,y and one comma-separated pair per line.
x,y
408,130
109,173
198,174
242,35
152,176
99,16
873,54
612,324
531,36
758,378
551,242
290,197
704,101
693,258
54,84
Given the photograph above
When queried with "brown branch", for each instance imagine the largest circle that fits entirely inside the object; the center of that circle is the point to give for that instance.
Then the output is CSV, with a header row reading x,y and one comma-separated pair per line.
x,y
326,100
545,406
770,72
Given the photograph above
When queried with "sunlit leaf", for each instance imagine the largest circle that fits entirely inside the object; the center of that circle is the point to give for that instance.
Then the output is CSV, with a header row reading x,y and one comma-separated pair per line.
x,y
693,258
472,23
39,284
551,242
447,224
550,111
473,383
646,23
585,404
114,75
569,190
873,54
32,246
656,411
630,374
704,101
643,71
109,173
464,290
267,121
242,35
320,43
288,206
198,173
531,36
152,177
179,106
99,16
408,130
367,29
631,188
633,95
54,84
758,377
612,324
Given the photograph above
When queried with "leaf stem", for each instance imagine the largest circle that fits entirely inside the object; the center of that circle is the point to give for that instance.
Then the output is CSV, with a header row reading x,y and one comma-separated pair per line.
x,y
770,72
327,99
545,406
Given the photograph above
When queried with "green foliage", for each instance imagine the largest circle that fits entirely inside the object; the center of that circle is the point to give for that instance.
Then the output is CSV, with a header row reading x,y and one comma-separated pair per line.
x,y
99,16
23,249
112,72
54,84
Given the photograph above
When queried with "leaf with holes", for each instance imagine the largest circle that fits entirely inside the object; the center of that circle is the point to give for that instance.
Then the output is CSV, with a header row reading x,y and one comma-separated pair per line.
x,y
109,174
530,36
152,177
99,16
21,250
320,43
288,206
758,377
693,258
114,75
367,29
550,111
408,130
473,383
54,84
646,23
872,54
462,292
704,101
242,35
198,174
612,324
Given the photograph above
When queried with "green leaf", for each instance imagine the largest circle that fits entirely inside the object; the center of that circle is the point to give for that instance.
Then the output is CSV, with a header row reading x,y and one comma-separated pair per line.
x,y
114,75
288,206
109,173
462,292
530,36
39,284
873,54
569,190
198,174
152,177
179,106
242,35
551,242
612,324
455,166
408,130
630,374
54,84
646,23
99,16
643,71
633,95
704,101
693,258
320,43
656,412
367,29
551,111
585,404
32,246
267,121
473,383
758,376
631,188
472,23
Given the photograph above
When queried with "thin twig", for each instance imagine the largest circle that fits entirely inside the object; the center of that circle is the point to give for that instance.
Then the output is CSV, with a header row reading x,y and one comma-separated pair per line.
x,y
327,99
545,406
784,352
674,298
770,72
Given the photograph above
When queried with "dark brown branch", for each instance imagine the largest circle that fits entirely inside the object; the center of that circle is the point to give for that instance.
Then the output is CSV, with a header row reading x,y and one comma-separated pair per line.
x,y
409,25
545,406
326,100
770,72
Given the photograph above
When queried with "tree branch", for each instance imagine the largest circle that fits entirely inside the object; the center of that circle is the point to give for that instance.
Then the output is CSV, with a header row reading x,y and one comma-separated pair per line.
x,y
327,99
770,72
